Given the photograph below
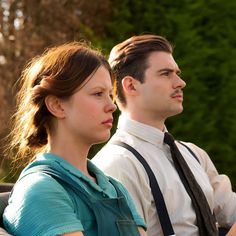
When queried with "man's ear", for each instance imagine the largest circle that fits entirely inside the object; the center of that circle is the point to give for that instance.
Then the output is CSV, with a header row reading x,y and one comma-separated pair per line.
x,y
53,105
129,85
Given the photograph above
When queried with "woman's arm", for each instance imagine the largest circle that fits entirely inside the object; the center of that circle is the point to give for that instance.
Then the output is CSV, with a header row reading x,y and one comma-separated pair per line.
x,y
142,231
232,231
77,233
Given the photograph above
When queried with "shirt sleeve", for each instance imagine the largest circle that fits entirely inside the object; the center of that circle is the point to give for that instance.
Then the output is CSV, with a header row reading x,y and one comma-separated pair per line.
x,y
224,197
39,205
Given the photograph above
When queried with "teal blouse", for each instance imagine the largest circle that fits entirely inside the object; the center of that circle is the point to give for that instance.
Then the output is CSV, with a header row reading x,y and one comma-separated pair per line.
x,y
40,205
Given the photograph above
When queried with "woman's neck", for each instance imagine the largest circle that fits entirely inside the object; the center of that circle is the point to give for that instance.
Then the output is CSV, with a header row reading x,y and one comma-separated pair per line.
x,y
77,158
74,152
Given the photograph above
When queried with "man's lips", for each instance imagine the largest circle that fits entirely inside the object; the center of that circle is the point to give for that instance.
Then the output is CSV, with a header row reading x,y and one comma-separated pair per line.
x,y
178,96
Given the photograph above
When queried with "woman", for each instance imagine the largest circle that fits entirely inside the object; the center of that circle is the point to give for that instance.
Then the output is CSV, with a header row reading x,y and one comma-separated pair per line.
x,y
64,107
232,231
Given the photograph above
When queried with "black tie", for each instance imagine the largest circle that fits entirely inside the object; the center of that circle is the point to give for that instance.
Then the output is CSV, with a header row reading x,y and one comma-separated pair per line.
x,y
205,219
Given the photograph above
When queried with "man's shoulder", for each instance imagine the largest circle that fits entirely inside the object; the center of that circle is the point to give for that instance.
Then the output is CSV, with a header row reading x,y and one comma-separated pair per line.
x,y
195,151
114,156
189,145
111,153
114,149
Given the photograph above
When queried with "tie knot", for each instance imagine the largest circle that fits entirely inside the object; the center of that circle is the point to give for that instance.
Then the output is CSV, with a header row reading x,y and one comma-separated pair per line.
x,y
168,139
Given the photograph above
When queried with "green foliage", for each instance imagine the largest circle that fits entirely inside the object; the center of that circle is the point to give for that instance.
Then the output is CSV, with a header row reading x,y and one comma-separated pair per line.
x,y
203,33
211,79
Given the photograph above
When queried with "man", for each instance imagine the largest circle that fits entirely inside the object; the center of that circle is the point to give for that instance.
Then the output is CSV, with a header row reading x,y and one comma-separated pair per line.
x,y
150,90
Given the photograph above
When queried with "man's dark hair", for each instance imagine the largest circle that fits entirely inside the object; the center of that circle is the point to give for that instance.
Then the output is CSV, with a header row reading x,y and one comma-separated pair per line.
x,y
129,58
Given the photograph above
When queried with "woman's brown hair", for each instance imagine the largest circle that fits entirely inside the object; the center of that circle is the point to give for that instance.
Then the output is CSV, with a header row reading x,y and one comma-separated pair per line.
x,y
59,71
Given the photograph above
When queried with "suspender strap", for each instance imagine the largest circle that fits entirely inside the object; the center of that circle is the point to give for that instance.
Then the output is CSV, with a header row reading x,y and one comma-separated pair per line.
x,y
157,195
190,150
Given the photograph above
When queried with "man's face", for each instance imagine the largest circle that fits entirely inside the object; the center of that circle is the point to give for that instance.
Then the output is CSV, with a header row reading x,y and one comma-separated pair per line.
x,y
161,96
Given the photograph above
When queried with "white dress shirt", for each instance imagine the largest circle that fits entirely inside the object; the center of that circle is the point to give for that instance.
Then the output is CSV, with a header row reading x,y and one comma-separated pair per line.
x,y
120,163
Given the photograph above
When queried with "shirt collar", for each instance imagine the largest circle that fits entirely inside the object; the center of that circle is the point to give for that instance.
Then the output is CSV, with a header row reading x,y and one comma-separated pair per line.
x,y
65,166
141,130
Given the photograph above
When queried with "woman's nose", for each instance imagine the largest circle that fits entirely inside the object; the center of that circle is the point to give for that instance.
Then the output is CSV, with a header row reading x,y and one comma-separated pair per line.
x,y
111,107
114,107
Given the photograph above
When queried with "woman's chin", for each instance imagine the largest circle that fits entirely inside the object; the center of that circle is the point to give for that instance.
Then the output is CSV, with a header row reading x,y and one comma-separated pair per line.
x,y
104,139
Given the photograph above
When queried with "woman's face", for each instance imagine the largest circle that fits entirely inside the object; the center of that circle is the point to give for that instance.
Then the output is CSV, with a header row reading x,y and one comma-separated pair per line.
x,y
88,112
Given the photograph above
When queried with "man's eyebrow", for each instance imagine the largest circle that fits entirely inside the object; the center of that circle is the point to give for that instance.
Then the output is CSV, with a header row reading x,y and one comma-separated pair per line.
x,y
178,71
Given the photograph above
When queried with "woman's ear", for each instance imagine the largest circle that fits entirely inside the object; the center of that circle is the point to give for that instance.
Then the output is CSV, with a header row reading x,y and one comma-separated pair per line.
x,y
53,105
129,85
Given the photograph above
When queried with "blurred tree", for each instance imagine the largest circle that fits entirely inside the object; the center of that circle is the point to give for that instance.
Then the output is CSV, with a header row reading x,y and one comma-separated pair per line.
x,y
203,34
27,27
205,47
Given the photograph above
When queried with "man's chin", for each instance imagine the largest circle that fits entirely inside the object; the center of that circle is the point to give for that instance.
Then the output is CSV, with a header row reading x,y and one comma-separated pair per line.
x,y
176,112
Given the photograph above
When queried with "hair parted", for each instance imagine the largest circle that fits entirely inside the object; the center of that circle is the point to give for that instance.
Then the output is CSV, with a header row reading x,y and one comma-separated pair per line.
x,y
58,71
129,58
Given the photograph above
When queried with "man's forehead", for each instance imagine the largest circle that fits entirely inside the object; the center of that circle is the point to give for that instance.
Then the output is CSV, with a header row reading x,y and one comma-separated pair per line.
x,y
161,60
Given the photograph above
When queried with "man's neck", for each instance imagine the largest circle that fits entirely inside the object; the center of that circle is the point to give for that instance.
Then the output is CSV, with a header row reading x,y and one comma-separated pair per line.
x,y
156,123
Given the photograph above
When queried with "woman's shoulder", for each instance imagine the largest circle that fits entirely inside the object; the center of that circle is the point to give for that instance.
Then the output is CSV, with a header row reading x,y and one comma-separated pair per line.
x,y
37,192
36,187
118,185
38,197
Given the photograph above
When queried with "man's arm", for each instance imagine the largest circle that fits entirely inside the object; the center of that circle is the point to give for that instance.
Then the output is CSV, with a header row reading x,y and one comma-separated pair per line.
x,y
224,197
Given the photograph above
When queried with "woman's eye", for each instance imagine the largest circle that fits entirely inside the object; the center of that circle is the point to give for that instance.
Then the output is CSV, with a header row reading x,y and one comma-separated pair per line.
x,y
99,94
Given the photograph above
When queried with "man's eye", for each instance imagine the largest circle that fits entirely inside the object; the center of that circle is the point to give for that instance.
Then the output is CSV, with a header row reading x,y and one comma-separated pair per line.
x,y
166,73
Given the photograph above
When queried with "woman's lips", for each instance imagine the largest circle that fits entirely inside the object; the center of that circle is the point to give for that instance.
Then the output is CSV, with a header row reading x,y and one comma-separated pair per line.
x,y
108,123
